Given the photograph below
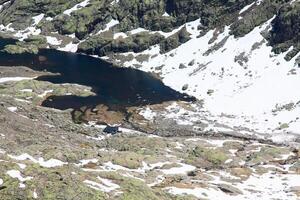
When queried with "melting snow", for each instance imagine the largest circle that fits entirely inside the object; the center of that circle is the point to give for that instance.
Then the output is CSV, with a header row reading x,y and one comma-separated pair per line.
x,y
12,109
53,40
84,162
45,93
109,25
17,174
185,168
48,164
148,114
37,19
8,79
241,82
246,7
76,7
35,195
71,47
105,185
266,186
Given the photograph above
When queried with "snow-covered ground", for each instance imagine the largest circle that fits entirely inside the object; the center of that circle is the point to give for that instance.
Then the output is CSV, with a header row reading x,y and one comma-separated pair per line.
x,y
266,186
240,80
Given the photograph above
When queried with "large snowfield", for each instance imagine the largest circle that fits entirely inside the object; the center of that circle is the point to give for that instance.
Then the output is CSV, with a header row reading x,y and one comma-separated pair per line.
x,y
258,92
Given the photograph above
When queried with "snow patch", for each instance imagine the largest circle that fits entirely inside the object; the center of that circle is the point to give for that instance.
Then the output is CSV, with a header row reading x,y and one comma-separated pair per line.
x,y
12,109
48,164
76,7
17,174
9,79
183,169
105,185
53,40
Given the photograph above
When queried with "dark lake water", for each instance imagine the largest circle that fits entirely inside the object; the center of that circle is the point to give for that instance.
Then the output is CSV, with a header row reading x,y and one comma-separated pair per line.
x,y
4,42
123,87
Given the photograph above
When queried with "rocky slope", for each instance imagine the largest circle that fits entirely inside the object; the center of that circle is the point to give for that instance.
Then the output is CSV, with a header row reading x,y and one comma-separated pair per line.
x,y
44,155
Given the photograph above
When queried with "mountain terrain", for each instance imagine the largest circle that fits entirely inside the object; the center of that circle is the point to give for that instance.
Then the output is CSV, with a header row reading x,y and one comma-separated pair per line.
x,y
218,118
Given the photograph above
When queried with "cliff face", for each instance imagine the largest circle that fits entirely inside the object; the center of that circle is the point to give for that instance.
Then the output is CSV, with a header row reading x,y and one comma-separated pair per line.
x,y
286,29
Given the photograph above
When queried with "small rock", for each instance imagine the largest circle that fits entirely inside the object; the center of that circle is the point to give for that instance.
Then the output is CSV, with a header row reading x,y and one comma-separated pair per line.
x,y
192,62
159,67
182,66
210,92
296,190
229,189
185,87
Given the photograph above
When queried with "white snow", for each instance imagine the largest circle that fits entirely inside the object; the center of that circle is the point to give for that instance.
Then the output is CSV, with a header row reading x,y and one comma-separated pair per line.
x,y
76,7
32,30
244,95
26,90
109,166
148,114
166,14
84,162
17,174
246,8
1,181
35,195
179,145
44,94
98,138
49,18
9,79
48,164
1,6
6,28
120,35
53,40
183,169
71,47
114,2
37,19
266,186
1,150
109,25
12,109
105,185
159,179
21,165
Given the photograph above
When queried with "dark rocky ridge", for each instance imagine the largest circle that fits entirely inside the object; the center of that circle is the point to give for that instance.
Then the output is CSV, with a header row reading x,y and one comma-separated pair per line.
x,y
286,29
149,15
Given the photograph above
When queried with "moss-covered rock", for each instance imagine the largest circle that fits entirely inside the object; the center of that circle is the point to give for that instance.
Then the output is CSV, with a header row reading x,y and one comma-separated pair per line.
x,y
130,160
267,153
103,45
286,29
207,157
174,40
258,14
20,49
